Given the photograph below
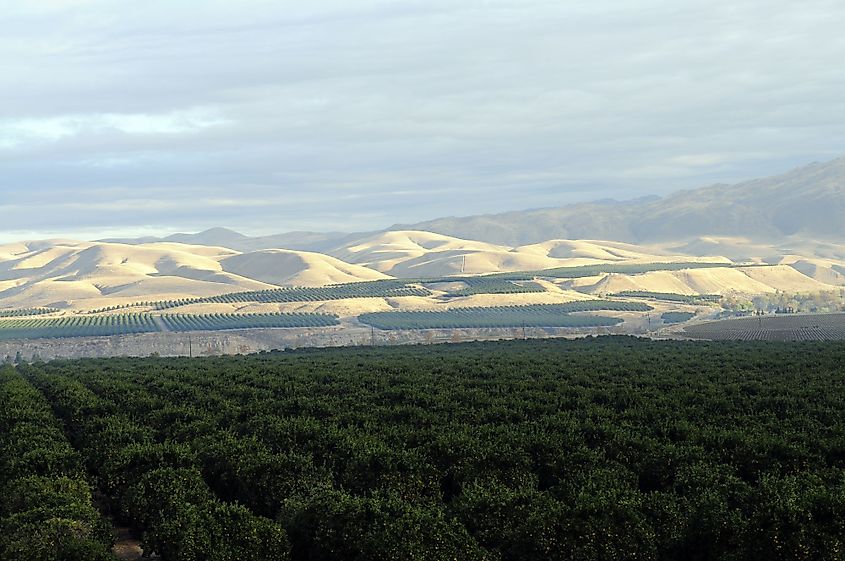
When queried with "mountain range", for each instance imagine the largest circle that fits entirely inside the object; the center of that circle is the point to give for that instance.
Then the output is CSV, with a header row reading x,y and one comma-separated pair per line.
x,y
793,222
804,205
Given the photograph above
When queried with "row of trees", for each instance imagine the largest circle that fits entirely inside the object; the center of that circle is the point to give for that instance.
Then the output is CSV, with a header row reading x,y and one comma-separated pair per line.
x,y
671,297
122,324
76,326
536,315
609,448
371,289
157,486
217,322
46,509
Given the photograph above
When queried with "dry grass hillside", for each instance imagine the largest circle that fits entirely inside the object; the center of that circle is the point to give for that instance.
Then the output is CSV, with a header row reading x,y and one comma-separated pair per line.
x,y
74,275
88,275
416,254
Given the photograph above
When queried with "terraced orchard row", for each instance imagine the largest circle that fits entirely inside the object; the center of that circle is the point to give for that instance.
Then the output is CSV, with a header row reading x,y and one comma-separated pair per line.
x,y
499,283
539,315
123,324
492,285
671,297
77,326
604,449
24,312
371,289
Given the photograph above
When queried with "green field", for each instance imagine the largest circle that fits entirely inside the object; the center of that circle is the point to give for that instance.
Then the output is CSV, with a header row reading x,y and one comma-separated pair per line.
x,y
76,326
676,317
371,289
538,315
218,322
597,449
125,324
671,297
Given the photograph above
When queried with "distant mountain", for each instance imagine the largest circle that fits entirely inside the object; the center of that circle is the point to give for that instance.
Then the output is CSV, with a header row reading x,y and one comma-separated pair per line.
x,y
219,237
807,202
224,237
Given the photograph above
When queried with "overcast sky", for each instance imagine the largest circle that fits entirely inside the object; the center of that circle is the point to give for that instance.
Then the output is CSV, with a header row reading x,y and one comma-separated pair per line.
x,y
268,116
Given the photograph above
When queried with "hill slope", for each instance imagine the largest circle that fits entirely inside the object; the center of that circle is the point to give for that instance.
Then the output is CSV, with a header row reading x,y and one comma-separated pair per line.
x,y
86,275
418,254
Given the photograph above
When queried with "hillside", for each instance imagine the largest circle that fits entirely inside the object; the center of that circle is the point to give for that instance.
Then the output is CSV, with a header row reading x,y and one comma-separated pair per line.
x,y
285,267
418,254
87,275
92,275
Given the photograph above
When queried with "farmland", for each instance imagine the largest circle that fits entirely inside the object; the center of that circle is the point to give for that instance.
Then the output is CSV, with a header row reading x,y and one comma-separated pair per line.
x,y
497,283
542,315
219,322
76,326
492,285
676,317
671,297
372,289
799,327
607,448
27,312
126,324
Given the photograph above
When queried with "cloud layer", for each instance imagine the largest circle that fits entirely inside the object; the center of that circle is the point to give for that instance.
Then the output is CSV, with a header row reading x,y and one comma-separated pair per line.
x,y
336,115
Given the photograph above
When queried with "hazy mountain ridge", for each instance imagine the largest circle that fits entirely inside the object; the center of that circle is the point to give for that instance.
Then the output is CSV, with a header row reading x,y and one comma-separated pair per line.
x,y
805,204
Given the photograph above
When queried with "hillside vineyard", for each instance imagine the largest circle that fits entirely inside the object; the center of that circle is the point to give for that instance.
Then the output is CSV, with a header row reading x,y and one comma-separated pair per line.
x,y
597,449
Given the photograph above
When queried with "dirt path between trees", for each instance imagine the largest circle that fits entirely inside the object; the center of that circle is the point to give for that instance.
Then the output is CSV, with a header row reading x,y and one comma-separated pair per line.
x,y
126,547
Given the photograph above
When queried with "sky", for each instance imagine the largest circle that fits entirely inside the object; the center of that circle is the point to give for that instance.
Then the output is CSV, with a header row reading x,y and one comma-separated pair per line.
x,y
135,118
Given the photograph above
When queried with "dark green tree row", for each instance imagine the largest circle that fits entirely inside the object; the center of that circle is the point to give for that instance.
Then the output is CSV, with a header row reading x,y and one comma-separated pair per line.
x,y
123,324
370,289
76,326
494,285
676,317
671,297
610,448
156,485
27,312
46,510
537,315
219,322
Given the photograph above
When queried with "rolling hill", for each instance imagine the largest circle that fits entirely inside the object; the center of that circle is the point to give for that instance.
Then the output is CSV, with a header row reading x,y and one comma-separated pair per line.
x,y
87,275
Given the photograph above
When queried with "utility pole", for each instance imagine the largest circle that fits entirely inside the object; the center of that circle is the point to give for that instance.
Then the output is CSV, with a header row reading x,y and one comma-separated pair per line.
x,y
190,347
373,335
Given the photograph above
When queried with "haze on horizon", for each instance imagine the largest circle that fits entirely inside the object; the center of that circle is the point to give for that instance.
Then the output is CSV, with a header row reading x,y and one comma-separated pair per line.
x,y
155,117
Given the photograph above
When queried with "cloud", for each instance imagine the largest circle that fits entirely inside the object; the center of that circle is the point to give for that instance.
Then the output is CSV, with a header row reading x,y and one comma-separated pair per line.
x,y
269,116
